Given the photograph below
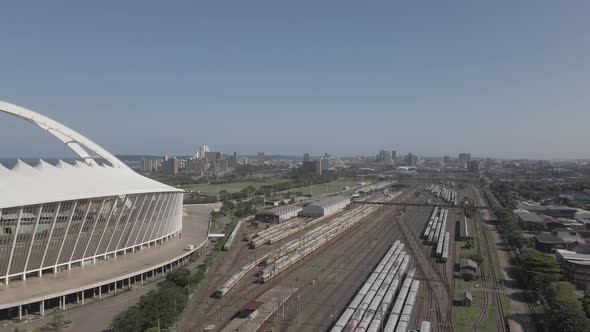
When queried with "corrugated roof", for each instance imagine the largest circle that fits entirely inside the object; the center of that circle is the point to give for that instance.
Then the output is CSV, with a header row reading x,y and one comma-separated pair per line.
x,y
329,201
526,216
466,262
281,209
548,238
27,185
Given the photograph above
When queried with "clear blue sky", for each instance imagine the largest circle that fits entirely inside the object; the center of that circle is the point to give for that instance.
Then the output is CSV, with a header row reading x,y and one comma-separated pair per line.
x,y
502,78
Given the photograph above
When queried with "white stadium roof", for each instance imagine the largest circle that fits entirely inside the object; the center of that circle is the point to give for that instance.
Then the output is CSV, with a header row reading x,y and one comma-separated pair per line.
x,y
44,183
27,185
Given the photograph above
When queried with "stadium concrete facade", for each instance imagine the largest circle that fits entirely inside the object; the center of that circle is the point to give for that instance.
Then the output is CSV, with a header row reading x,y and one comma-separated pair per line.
x,y
60,217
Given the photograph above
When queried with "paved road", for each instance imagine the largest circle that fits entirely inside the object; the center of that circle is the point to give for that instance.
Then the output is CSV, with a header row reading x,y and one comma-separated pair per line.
x,y
95,316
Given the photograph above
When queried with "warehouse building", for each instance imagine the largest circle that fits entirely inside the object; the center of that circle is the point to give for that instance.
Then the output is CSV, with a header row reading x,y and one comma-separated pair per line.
x,y
279,214
326,206
576,267
466,229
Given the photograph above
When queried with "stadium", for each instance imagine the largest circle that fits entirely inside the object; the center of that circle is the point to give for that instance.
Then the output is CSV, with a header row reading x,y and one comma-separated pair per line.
x,y
73,216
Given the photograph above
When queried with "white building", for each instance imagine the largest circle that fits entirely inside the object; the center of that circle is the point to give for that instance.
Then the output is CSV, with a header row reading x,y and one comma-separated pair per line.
x,y
68,215
325,206
203,151
278,214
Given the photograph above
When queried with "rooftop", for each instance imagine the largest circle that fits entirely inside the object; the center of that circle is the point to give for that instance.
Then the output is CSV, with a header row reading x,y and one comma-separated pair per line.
x,y
526,216
281,209
328,201
548,239
466,262
573,257
45,183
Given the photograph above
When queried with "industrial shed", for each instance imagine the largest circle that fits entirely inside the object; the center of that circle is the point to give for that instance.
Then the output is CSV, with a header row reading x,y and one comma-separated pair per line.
x,y
466,229
279,214
467,269
326,206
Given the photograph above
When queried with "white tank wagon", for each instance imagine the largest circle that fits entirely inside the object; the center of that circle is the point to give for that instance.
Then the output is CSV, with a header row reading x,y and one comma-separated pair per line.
x,y
377,300
327,233
439,226
360,295
383,310
406,315
287,260
440,242
231,282
430,222
309,236
398,307
432,230
355,322
445,251
276,228
277,267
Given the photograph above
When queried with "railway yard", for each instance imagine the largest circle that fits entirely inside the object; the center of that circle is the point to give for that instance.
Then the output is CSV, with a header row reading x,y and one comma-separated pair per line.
x,y
369,267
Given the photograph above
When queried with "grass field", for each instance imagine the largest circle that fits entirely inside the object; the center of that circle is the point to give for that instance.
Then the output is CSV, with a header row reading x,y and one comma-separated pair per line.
x,y
233,186
328,188
465,317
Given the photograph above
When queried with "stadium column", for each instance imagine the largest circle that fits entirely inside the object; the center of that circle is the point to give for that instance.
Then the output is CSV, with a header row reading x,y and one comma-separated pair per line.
x,y
42,265
26,268
20,213
65,236
42,308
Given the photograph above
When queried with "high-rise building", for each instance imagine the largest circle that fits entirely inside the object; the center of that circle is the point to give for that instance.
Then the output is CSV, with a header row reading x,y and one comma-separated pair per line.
x,y
260,158
150,165
465,157
203,151
394,155
212,156
170,165
321,165
473,166
306,157
411,159
308,167
384,157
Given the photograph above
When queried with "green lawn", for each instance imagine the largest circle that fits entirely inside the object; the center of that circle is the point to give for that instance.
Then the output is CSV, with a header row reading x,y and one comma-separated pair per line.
x,y
233,186
328,188
465,317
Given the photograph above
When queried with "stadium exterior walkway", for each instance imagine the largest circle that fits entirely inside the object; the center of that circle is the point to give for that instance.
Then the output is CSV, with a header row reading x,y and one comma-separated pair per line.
x,y
74,286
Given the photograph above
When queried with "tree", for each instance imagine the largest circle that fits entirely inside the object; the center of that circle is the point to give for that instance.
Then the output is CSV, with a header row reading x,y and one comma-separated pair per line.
x,y
58,321
128,321
560,291
566,316
180,277
540,269
586,305
161,308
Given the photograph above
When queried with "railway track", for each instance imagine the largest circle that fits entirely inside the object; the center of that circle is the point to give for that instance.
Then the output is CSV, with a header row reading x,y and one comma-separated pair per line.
x,y
492,282
420,260
441,270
